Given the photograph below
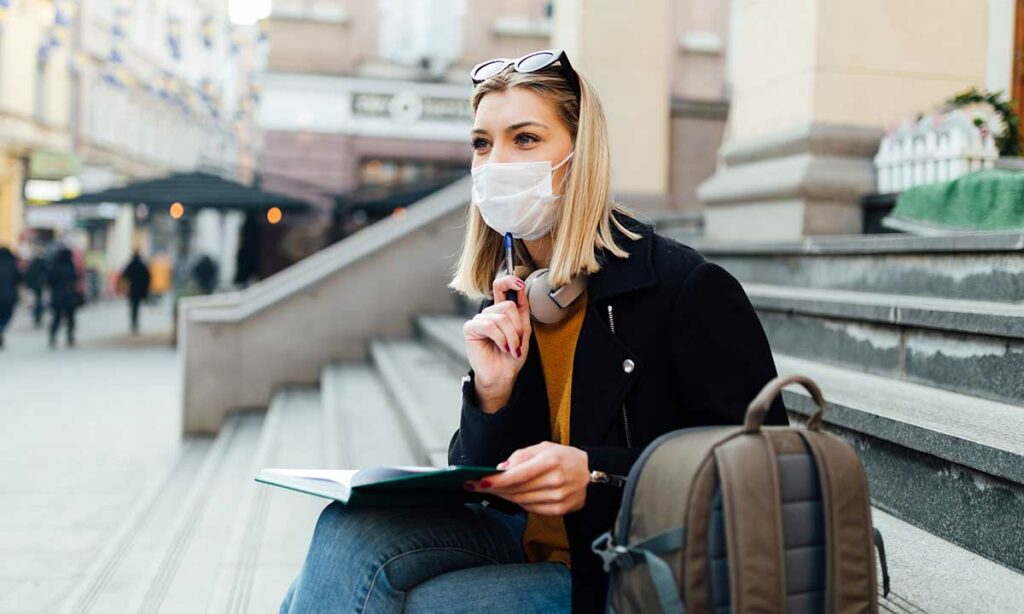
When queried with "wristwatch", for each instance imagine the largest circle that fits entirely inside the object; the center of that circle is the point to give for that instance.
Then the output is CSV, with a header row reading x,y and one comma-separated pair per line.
x,y
600,477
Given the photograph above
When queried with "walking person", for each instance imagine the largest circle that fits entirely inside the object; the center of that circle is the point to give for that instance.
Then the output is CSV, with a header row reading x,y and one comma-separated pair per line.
x,y
137,277
625,335
35,279
10,278
206,274
64,295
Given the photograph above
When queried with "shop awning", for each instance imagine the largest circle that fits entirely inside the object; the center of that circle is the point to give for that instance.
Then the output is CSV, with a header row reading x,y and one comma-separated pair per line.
x,y
196,190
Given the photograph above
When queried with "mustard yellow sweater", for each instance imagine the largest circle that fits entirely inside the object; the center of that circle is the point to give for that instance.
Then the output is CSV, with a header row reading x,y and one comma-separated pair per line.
x,y
545,538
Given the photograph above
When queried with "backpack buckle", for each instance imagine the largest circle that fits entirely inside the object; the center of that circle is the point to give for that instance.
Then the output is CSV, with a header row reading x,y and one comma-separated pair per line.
x,y
611,554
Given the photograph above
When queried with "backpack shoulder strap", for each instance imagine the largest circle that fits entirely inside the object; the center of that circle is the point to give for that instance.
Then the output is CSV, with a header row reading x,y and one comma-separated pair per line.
x,y
850,583
753,523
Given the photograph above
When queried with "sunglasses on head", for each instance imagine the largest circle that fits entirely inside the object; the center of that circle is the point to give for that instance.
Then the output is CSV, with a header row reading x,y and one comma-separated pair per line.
x,y
531,62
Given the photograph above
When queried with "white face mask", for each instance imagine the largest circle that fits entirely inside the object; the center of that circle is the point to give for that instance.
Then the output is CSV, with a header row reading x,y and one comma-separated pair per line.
x,y
516,197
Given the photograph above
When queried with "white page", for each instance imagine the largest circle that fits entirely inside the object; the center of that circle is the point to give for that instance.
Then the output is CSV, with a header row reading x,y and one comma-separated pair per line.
x,y
340,476
344,476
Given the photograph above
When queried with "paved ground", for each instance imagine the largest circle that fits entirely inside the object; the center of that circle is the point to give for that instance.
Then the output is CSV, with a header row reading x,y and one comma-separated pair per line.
x,y
85,430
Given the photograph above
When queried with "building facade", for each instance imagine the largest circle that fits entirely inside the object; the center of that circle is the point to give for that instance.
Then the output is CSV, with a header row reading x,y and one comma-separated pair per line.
x,y
97,93
359,93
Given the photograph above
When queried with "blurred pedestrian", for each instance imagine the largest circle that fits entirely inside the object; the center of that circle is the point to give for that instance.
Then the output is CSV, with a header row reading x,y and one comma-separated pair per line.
x,y
65,296
247,260
205,274
35,279
10,277
137,277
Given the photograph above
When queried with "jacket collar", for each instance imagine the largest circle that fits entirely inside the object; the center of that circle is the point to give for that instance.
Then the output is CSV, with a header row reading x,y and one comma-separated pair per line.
x,y
621,275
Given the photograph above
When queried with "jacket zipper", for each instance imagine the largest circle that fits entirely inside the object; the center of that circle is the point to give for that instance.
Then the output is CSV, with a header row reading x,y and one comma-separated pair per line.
x,y
625,416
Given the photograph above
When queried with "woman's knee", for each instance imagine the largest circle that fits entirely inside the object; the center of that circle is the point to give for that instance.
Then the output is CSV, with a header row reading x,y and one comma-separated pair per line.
x,y
338,525
355,529
374,531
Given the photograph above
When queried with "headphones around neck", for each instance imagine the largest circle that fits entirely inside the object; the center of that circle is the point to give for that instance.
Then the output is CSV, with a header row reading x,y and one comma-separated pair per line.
x,y
549,305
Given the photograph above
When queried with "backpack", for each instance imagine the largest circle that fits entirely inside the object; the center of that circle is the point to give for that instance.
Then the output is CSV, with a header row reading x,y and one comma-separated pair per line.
x,y
745,518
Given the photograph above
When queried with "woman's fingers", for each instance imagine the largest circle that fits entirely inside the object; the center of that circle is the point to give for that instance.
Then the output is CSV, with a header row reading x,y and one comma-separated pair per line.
x,y
503,284
484,328
521,474
551,479
509,310
503,321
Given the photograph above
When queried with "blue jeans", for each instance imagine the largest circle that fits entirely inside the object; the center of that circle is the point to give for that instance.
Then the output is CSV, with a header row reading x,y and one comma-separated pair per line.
x,y
465,558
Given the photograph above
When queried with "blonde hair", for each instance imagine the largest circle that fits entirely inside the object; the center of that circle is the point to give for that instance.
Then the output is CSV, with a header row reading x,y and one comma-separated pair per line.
x,y
584,219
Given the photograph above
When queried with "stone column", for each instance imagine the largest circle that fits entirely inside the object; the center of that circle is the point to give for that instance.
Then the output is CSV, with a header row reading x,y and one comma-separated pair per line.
x,y
12,179
624,49
121,238
816,82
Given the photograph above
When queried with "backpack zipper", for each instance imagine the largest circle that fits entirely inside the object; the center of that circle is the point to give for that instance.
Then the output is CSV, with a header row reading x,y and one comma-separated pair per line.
x,y
625,416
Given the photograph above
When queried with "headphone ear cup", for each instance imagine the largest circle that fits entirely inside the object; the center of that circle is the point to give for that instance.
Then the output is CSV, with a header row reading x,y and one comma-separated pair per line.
x,y
535,293
534,281
542,307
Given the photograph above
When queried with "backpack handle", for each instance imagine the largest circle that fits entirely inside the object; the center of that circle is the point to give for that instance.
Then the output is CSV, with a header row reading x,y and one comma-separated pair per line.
x,y
758,408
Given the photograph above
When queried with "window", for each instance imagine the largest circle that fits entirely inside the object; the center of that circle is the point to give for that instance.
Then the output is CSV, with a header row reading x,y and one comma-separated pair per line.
x,y
39,100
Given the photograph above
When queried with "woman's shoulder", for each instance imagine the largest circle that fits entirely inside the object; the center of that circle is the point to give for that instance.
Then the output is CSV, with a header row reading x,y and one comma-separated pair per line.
x,y
674,261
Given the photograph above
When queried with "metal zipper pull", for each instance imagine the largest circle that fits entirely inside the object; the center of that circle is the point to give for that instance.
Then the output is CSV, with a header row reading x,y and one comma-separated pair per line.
x,y
600,477
625,416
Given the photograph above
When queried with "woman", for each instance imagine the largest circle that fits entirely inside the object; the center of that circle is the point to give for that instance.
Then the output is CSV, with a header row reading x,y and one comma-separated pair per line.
x,y
657,339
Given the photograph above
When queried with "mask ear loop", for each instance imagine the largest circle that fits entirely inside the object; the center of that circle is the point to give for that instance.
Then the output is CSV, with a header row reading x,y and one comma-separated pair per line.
x,y
566,174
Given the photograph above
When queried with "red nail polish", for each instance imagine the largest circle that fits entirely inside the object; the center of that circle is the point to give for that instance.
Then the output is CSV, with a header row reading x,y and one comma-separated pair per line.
x,y
520,283
485,484
519,353
508,349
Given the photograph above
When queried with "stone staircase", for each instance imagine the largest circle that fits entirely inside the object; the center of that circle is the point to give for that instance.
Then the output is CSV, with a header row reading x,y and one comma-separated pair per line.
x,y
917,344
207,538
909,344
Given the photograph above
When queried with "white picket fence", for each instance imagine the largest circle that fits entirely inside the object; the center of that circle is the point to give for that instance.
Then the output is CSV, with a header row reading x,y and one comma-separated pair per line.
x,y
935,149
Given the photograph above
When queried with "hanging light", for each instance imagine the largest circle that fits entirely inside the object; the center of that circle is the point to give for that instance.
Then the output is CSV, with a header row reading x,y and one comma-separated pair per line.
x,y
274,215
177,210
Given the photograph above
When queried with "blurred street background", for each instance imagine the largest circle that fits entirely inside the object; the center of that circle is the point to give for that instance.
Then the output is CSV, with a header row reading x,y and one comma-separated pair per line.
x,y
201,202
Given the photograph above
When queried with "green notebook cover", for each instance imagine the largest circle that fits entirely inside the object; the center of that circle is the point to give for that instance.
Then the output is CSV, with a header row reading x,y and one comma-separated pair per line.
x,y
397,485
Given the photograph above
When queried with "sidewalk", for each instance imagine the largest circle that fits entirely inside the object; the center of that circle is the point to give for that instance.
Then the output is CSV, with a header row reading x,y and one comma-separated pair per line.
x,y
84,431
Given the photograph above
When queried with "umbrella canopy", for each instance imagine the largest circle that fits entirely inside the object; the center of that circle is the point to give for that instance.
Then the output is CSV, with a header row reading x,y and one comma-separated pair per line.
x,y
193,190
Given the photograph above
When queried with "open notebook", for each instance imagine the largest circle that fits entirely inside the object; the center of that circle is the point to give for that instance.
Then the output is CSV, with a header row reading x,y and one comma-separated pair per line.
x,y
394,485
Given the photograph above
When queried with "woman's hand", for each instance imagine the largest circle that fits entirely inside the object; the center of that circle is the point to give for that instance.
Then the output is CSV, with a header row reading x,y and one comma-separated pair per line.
x,y
497,343
546,478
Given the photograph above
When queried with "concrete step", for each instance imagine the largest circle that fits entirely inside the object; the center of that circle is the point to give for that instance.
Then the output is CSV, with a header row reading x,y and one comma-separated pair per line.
x,y
426,389
976,266
932,575
117,572
180,573
443,333
271,530
973,347
950,463
361,419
